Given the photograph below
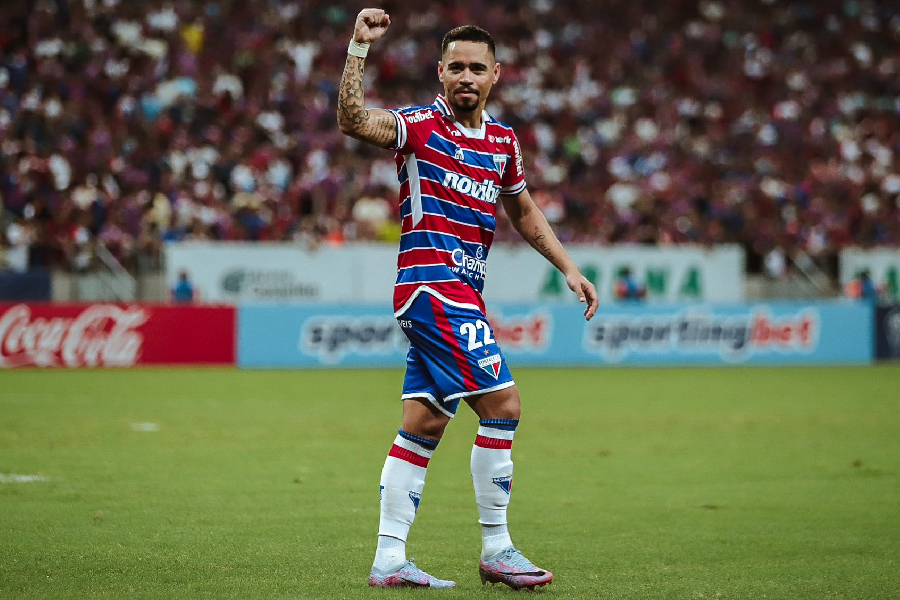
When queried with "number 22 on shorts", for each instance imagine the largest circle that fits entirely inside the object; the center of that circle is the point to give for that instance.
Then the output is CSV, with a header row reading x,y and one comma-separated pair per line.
x,y
471,330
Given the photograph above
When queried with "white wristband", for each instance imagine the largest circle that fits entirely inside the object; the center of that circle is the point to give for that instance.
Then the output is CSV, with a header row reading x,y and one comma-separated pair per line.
x,y
357,49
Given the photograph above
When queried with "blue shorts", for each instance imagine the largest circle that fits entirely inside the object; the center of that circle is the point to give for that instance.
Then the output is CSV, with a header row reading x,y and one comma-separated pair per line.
x,y
452,354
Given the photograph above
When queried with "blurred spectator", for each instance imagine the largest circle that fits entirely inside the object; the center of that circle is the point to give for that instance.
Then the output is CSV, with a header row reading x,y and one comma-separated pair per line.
x,y
183,290
626,287
374,218
773,124
861,287
19,236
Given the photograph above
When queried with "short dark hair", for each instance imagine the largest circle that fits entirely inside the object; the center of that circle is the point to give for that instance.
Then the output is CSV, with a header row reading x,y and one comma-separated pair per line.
x,y
468,33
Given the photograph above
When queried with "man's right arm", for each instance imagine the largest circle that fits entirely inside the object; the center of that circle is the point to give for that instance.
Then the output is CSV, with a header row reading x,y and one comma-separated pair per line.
x,y
376,126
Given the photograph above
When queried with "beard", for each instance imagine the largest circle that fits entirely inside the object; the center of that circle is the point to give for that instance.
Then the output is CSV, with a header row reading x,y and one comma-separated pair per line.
x,y
465,103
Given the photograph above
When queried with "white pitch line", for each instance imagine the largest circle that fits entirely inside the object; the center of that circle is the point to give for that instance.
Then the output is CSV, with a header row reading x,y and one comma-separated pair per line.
x,y
12,478
145,427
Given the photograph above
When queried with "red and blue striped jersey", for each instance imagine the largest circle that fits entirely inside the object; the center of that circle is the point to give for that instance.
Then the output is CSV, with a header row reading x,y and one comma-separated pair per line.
x,y
450,180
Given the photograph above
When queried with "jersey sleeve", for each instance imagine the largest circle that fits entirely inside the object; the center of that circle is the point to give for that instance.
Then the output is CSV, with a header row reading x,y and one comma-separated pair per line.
x,y
513,181
414,125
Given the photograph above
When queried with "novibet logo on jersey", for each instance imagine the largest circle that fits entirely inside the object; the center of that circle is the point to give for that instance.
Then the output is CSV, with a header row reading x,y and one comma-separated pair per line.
x,y
418,116
485,191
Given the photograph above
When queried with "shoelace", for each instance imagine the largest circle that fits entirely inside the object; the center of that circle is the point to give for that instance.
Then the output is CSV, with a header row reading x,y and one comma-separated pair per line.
x,y
517,560
412,566
415,570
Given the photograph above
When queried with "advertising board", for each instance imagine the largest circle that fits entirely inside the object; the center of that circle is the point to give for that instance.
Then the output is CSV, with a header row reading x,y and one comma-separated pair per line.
x,y
283,273
318,335
887,332
535,334
115,335
278,273
751,334
676,274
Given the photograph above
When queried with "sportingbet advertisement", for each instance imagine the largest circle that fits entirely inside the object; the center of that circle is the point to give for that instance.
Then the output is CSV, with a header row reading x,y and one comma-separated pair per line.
x,y
318,336
557,335
760,334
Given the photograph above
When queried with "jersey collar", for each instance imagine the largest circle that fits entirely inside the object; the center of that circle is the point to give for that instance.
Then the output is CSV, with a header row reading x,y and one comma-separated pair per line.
x,y
441,103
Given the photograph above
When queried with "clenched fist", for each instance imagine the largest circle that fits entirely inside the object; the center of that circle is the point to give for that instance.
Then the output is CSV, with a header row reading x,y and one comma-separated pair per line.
x,y
371,23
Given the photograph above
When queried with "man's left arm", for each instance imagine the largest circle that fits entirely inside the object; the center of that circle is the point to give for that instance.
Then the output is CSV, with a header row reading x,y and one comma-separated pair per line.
x,y
531,224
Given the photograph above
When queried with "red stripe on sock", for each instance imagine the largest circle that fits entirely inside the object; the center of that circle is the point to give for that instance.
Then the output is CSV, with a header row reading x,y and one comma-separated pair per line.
x,y
409,456
492,443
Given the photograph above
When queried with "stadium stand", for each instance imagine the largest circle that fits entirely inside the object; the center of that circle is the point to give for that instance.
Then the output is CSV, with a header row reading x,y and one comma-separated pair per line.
x,y
772,124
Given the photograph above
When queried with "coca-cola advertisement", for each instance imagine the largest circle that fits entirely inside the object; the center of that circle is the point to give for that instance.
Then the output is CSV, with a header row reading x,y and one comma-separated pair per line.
x,y
115,335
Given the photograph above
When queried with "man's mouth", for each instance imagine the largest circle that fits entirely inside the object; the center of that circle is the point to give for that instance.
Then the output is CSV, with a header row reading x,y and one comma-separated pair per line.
x,y
467,94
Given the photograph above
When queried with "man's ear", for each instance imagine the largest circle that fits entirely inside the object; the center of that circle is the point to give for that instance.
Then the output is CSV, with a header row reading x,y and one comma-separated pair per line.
x,y
441,71
496,72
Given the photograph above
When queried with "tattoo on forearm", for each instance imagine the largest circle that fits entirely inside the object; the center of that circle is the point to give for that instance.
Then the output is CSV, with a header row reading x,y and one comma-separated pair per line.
x,y
352,113
351,103
538,241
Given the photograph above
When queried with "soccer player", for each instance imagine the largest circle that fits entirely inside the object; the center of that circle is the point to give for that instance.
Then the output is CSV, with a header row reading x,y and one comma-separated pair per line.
x,y
454,163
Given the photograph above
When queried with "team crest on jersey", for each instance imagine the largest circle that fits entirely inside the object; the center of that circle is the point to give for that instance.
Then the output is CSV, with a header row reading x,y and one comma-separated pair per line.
x,y
459,155
504,483
491,365
500,163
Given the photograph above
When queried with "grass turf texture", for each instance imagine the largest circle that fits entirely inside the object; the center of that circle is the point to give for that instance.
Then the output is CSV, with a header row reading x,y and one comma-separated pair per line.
x,y
630,483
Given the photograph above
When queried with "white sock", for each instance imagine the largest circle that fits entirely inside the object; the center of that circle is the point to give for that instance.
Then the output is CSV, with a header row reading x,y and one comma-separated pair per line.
x,y
390,554
492,470
402,482
494,538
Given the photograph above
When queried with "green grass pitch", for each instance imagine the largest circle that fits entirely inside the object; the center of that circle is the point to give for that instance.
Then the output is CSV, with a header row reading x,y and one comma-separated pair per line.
x,y
736,483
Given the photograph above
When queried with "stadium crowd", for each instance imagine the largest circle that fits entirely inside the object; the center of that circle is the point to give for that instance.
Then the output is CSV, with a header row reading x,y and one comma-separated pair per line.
x,y
774,124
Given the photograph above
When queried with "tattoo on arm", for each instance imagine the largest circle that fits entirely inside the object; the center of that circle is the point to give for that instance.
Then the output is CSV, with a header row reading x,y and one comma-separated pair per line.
x,y
351,110
353,117
540,244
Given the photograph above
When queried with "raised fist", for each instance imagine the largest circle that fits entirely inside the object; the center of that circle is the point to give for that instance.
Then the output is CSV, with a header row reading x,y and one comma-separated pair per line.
x,y
371,23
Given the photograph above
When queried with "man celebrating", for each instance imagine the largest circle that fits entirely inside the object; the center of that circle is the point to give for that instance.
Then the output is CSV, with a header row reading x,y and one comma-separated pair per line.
x,y
454,161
